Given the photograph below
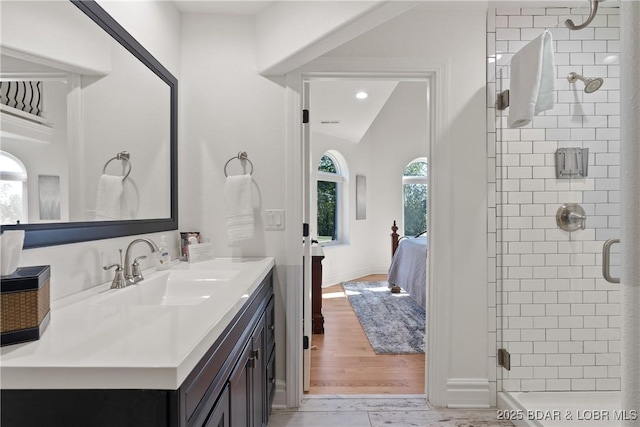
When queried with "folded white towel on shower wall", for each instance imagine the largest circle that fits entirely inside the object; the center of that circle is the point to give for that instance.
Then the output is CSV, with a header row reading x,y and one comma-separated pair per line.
x,y
239,205
532,77
109,198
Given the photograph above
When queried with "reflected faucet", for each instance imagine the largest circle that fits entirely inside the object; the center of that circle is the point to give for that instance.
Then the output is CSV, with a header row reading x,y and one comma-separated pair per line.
x,y
132,273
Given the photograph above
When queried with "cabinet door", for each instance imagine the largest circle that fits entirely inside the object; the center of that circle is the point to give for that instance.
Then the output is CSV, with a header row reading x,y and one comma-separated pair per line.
x,y
258,375
220,414
239,389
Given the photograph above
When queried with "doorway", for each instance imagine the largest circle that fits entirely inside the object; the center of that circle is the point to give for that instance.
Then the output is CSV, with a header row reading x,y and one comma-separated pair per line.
x,y
371,127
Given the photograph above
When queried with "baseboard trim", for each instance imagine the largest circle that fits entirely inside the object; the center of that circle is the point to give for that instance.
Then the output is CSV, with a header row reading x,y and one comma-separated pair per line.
x,y
468,393
280,397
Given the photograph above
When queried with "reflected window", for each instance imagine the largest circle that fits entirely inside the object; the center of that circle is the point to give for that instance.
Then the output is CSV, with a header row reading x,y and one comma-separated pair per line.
x,y
330,182
414,191
13,189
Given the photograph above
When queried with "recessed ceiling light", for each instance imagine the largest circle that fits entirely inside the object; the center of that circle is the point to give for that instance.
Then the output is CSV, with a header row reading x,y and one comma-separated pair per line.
x,y
362,95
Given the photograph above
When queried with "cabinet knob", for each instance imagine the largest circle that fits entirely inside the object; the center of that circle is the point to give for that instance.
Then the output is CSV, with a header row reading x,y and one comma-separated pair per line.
x,y
256,354
272,327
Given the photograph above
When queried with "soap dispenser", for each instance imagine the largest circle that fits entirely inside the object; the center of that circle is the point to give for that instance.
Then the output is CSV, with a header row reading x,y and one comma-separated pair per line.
x,y
163,254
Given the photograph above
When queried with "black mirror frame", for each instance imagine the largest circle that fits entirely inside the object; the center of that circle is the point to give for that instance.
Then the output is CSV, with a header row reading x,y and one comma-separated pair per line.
x,y
50,234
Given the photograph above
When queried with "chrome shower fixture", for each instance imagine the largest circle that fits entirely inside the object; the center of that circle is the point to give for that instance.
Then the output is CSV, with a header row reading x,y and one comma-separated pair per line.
x,y
592,14
591,84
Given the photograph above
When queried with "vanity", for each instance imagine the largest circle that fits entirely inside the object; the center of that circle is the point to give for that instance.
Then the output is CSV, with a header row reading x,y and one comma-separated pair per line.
x,y
189,346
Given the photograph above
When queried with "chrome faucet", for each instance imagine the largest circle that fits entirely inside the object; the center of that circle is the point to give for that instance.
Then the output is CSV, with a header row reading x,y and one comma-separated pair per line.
x,y
132,273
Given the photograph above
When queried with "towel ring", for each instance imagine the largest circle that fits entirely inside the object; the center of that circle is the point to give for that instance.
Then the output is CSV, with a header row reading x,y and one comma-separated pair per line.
x,y
120,156
242,155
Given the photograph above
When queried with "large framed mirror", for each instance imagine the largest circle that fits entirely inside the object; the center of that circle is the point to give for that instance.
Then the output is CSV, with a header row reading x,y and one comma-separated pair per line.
x,y
89,128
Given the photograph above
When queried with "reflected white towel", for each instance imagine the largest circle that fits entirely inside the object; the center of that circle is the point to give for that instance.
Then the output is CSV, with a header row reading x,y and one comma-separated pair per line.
x,y
237,197
126,201
532,81
108,200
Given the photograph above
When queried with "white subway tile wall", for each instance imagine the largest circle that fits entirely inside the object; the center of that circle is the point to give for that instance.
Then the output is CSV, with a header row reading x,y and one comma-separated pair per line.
x,y
556,315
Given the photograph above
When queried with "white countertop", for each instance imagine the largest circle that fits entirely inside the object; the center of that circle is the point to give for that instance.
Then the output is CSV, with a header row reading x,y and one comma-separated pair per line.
x,y
92,345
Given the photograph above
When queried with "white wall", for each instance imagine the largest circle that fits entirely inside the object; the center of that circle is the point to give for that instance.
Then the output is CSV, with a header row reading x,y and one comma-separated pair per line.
x,y
227,107
397,136
155,24
71,38
292,33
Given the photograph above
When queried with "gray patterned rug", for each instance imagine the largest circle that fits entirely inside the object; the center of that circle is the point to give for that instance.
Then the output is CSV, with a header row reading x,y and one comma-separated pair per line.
x,y
393,323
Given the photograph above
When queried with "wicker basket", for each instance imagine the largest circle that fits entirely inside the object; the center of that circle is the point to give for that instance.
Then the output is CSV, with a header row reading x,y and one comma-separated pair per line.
x,y
24,297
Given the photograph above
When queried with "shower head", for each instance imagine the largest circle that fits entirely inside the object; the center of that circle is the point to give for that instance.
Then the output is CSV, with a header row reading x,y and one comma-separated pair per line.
x,y
590,84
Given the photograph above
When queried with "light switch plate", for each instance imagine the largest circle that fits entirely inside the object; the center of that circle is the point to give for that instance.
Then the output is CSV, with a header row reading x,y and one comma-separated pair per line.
x,y
274,219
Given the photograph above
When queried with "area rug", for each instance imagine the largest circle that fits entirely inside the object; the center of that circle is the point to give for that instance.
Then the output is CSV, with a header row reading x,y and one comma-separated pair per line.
x,y
393,323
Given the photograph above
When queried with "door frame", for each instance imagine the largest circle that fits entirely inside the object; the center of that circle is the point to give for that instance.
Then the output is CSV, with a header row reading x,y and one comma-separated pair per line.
x,y
440,224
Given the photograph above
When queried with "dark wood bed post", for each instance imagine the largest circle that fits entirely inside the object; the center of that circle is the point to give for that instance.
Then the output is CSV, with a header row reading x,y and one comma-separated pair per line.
x,y
395,289
394,239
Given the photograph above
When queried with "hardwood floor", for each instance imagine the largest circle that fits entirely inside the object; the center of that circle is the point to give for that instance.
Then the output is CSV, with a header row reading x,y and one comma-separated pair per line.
x,y
345,363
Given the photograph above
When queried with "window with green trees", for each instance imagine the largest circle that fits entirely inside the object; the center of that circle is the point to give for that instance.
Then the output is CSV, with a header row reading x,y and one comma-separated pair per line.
x,y
414,183
329,183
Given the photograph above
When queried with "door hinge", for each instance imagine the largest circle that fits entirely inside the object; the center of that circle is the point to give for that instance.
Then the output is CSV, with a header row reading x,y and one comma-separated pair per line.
x,y
305,116
305,230
504,359
305,342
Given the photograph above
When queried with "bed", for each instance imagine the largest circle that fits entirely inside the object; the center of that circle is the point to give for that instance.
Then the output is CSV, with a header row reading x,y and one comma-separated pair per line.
x,y
408,268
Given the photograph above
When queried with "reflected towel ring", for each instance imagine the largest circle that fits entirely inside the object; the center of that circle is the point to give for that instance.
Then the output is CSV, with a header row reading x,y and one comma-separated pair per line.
x,y
242,155
124,155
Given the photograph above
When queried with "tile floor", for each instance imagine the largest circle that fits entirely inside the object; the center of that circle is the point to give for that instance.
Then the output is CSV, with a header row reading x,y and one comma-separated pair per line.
x,y
378,411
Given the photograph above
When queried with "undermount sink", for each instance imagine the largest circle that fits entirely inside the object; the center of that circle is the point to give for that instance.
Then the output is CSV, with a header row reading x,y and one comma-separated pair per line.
x,y
170,288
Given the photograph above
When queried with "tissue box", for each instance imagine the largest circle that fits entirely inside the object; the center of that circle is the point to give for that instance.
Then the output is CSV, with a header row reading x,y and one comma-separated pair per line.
x,y
25,299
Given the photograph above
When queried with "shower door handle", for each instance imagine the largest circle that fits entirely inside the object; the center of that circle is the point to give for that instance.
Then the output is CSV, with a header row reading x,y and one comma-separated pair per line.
x,y
606,261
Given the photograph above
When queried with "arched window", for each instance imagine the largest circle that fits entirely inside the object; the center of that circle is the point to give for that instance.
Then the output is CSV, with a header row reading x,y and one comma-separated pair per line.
x,y
330,213
13,189
414,191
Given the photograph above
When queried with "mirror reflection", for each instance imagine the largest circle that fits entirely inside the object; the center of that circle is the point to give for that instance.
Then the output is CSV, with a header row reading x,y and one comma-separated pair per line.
x,y
85,130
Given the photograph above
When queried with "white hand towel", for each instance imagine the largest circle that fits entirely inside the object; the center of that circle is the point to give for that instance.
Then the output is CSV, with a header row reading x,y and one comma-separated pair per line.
x,y
126,201
237,197
108,200
532,81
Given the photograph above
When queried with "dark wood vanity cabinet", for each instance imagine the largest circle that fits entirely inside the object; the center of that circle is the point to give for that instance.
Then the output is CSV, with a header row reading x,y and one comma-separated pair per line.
x,y
247,382
247,373
231,386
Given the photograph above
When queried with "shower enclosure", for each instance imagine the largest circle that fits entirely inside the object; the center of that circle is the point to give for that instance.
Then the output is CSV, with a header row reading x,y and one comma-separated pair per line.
x,y
558,320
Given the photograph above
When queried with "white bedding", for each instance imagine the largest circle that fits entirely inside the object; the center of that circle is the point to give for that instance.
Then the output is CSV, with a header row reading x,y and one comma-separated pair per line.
x,y
409,268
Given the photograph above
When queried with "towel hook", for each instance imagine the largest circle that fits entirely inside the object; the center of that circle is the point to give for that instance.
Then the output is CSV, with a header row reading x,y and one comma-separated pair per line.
x,y
593,9
242,155
124,156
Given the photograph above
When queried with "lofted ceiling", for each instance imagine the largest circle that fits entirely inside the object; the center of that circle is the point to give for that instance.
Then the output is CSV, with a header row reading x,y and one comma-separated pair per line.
x,y
334,109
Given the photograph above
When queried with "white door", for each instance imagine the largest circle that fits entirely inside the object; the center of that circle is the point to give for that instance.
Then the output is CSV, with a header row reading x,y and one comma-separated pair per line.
x,y
306,192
